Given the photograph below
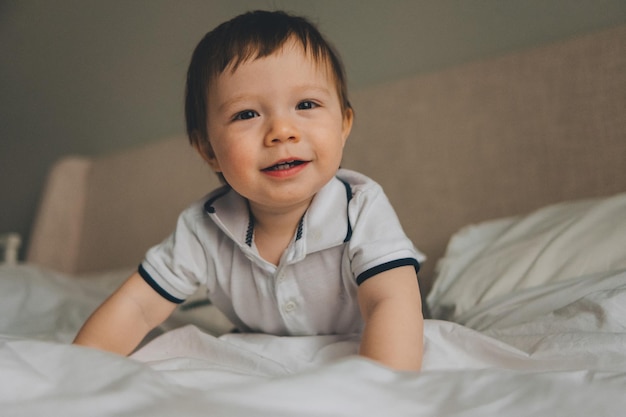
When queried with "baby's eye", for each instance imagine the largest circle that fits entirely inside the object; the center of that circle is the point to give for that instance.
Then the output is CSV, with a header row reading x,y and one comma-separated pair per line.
x,y
306,105
245,115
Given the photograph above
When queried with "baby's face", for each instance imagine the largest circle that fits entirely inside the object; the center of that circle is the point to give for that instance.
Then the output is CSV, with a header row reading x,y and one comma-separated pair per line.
x,y
276,128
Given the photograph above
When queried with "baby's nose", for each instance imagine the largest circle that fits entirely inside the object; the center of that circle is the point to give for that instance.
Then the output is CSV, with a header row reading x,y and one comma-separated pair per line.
x,y
281,129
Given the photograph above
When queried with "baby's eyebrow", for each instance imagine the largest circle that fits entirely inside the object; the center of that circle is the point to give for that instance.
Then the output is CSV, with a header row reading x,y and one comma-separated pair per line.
x,y
314,88
233,101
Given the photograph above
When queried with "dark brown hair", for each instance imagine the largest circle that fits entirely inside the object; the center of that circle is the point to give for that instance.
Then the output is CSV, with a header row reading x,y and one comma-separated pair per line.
x,y
250,36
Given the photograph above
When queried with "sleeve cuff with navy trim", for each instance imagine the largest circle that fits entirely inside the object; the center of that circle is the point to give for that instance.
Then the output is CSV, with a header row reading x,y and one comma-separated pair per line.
x,y
386,267
155,286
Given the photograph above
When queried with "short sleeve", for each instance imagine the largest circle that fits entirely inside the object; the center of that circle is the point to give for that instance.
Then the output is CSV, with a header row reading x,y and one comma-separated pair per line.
x,y
378,242
176,266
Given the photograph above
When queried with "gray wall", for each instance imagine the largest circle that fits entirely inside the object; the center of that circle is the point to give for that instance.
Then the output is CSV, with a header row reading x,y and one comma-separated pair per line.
x,y
91,77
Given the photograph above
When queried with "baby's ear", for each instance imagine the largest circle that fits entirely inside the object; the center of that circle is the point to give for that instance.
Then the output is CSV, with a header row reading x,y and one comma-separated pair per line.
x,y
203,147
348,119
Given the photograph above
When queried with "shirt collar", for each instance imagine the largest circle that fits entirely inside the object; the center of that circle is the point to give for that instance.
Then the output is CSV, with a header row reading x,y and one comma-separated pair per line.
x,y
324,225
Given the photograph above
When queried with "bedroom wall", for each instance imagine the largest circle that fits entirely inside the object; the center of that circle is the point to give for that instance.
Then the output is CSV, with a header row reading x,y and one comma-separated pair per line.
x,y
93,77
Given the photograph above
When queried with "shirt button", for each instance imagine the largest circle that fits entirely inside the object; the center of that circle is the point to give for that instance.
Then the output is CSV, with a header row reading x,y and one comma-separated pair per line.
x,y
289,306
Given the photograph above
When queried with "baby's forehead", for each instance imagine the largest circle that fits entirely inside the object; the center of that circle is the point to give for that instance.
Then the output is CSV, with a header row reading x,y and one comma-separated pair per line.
x,y
292,45
240,62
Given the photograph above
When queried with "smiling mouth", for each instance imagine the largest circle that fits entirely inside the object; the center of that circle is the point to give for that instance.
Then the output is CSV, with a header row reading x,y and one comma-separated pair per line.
x,y
283,166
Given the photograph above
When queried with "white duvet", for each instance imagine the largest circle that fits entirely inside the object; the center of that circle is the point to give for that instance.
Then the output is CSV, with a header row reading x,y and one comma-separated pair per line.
x,y
556,349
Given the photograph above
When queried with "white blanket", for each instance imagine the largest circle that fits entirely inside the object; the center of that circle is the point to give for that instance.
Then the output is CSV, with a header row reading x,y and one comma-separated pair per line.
x,y
554,350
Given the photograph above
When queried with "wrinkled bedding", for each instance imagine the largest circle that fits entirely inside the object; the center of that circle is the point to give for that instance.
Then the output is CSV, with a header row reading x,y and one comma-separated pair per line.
x,y
555,349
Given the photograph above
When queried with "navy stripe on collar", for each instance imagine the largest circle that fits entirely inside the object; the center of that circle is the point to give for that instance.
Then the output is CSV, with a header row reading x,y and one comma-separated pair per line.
x,y
348,197
300,226
208,206
250,230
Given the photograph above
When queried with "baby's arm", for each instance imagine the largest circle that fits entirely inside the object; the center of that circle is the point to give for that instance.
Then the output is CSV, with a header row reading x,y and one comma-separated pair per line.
x,y
394,326
124,319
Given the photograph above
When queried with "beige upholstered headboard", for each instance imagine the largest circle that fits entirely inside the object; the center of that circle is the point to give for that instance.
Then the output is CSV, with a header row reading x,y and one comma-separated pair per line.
x,y
497,137
103,213
488,139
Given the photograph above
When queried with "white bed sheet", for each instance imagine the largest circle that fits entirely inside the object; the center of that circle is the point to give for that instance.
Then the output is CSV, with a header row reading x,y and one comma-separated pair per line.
x,y
547,351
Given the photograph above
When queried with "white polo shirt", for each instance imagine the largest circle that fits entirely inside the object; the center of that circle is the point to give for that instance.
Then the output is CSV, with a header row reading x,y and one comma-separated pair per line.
x,y
349,233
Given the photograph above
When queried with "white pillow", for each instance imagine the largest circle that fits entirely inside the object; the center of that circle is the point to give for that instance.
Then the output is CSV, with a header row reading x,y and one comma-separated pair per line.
x,y
556,243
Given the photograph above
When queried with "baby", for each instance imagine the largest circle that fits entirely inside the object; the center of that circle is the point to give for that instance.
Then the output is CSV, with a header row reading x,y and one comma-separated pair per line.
x,y
291,244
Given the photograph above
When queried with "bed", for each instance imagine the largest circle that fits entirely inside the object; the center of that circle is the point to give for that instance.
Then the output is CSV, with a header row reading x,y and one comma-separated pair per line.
x,y
508,173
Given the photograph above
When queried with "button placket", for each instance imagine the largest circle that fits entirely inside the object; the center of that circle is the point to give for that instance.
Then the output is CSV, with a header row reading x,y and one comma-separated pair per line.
x,y
287,295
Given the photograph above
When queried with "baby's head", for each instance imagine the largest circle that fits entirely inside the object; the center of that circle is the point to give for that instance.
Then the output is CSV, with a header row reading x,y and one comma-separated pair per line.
x,y
248,37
